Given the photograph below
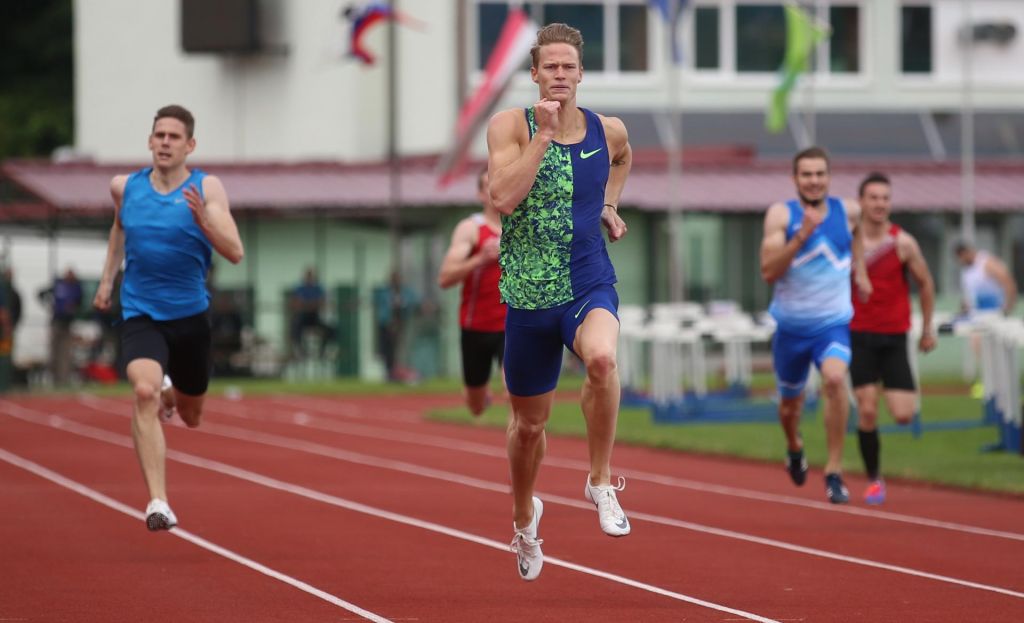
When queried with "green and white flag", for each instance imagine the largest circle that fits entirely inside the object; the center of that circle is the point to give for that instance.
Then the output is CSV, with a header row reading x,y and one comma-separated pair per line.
x,y
802,35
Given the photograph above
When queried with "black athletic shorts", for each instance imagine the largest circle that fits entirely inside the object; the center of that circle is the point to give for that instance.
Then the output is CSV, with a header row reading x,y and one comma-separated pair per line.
x,y
880,357
181,347
479,349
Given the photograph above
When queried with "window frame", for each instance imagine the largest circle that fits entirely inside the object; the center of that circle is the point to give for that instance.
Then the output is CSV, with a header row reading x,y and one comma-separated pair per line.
x,y
611,73
728,72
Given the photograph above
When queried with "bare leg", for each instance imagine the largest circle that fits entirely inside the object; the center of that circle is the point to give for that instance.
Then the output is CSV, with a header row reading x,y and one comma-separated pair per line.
x,y
526,445
789,417
146,376
478,399
837,410
902,404
867,407
596,341
190,408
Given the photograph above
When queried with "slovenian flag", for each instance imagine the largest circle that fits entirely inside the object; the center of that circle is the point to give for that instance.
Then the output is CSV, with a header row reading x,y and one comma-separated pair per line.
x,y
513,46
363,18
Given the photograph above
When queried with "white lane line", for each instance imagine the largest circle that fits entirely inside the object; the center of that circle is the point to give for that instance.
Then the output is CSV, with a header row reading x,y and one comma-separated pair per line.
x,y
109,502
61,423
413,469
346,409
305,420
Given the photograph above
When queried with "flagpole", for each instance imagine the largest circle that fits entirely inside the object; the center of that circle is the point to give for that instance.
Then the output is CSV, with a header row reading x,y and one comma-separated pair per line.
x,y
394,172
676,272
967,231
820,17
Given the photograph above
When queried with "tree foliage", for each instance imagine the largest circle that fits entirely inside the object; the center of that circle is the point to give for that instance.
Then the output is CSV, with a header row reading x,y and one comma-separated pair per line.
x,y
36,83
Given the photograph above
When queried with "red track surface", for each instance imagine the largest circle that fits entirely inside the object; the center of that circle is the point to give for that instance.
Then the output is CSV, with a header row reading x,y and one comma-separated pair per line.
x,y
409,520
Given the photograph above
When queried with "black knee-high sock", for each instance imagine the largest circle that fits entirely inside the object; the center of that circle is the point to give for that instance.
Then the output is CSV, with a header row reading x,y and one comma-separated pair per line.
x,y
870,445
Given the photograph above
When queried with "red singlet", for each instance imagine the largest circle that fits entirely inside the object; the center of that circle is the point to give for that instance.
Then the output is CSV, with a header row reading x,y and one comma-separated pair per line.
x,y
482,309
888,309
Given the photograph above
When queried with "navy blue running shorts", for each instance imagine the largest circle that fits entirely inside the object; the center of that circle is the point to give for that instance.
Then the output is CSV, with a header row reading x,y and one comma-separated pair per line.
x,y
534,339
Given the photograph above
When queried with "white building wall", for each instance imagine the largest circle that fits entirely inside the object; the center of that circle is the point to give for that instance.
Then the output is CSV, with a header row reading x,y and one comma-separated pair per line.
x,y
308,102
311,102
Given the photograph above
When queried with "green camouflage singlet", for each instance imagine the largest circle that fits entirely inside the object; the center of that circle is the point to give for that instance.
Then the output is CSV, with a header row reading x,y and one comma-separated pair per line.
x,y
536,239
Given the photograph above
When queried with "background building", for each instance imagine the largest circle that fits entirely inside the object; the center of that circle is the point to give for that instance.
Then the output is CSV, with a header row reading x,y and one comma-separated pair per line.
x,y
302,134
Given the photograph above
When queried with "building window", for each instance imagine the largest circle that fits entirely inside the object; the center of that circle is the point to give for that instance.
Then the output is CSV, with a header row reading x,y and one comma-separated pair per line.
x,y
633,37
760,37
706,37
589,19
615,32
916,39
749,36
844,45
490,19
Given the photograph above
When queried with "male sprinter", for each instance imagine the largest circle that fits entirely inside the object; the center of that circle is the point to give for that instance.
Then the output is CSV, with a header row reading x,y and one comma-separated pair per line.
x,y
878,331
166,220
808,246
472,259
557,171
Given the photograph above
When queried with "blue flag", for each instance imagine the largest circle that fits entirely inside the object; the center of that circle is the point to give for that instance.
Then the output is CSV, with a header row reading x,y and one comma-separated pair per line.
x,y
672,12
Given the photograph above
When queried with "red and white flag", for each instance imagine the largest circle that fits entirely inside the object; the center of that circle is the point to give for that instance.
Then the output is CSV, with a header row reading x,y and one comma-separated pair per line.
x,y
513,46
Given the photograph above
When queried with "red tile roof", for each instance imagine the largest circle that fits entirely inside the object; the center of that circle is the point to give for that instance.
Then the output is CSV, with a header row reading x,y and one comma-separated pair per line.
x,y
82,188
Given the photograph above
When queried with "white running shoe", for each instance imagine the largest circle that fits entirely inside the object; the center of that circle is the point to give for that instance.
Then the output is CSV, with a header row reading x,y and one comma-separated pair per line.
x,y
166,411
612,517
526,545
159,515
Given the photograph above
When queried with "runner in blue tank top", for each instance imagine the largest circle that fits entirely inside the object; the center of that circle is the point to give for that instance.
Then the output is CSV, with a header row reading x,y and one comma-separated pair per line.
x,y
167,220
557,172
808,249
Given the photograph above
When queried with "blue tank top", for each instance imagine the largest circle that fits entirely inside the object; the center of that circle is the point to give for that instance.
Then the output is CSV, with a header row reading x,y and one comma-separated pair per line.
x,y
552,246
167,256
814,293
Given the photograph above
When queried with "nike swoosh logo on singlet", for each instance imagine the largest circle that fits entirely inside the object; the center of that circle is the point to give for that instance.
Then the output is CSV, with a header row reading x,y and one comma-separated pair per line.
x,y
586,154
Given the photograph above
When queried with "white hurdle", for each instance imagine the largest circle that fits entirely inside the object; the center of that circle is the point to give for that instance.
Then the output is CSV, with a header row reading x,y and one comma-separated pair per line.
x,y
631,347
674,337
1001,342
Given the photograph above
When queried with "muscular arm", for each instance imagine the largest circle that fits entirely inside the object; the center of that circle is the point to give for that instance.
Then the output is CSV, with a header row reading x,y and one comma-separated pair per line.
x,y
777,253
457,261
115,248
997,270
914,261
213,215
621,156
513,168
860,269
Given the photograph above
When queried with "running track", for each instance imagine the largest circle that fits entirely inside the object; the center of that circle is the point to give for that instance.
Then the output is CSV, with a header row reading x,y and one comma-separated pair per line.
x,y
353,509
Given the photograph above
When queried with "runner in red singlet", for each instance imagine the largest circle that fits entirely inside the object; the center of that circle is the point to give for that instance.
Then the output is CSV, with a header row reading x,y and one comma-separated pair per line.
x,y
878,331
472,259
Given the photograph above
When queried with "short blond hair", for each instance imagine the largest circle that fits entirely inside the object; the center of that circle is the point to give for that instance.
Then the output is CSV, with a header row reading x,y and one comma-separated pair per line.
x,y
557,33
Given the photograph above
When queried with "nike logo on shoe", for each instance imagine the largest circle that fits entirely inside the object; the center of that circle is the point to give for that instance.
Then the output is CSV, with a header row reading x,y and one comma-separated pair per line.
x,y
586,154
523,569
623,523
582,308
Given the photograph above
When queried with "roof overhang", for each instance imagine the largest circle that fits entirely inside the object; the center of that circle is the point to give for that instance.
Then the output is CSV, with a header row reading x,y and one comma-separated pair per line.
x,y
77,191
